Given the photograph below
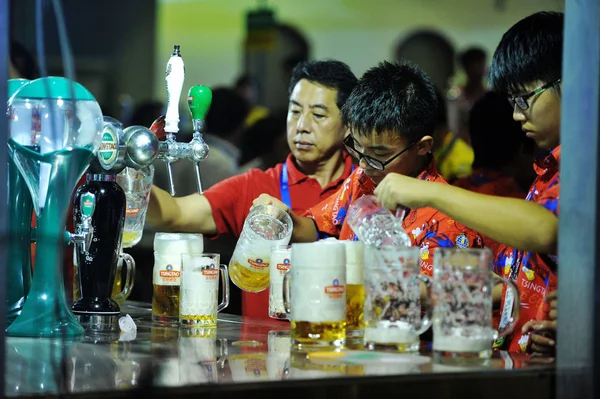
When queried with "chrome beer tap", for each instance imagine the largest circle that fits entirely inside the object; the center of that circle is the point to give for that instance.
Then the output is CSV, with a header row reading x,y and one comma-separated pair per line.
x,y
166,127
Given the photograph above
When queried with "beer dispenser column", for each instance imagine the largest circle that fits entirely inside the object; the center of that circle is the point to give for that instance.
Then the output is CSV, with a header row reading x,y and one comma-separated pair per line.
x,y
99,215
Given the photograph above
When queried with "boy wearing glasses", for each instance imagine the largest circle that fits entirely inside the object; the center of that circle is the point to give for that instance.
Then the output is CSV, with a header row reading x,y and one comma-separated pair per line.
x,y
390,115
527,67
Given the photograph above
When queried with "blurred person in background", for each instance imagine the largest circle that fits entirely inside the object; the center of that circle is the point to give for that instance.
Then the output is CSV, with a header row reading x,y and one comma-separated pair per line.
x,y
316,167
247,88
500,148
461,98
22,65
452,154
264,144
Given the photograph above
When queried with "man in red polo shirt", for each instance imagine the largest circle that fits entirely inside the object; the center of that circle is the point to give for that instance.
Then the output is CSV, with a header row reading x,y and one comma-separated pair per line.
x,y
391,116
527,67
315,169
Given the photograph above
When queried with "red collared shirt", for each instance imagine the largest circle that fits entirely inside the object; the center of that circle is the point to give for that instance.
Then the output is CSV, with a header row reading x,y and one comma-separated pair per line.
x,y
490,182
534,274
427,227
232,198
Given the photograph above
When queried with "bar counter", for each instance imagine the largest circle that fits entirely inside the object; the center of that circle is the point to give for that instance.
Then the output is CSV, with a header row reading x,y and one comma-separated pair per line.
x,y
249,357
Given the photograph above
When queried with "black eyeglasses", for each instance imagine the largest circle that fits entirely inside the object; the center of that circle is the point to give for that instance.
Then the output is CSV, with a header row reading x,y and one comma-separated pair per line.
x,y
372,162
521,101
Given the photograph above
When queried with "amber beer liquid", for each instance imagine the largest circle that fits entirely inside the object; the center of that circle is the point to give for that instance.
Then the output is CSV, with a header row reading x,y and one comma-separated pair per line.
x,y
265,228
317,282
355,289
166,278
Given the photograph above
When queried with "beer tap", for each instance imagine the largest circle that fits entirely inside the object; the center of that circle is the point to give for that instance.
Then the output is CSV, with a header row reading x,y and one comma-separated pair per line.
x,y
166,127
99,214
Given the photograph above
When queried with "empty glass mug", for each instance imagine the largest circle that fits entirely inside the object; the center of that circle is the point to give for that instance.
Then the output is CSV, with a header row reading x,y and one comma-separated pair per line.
x,y
314,294
375,225
393,311
200,289
265,228
462,317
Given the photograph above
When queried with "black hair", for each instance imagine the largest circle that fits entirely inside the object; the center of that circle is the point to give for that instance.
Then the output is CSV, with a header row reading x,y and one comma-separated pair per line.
x,y
243,81
441,119
530,51
259,138
227,112
471,55
496,137
329,73
392,98
23,61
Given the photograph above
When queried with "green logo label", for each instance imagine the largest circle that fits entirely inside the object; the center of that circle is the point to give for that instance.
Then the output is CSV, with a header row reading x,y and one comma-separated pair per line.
x,y
109,147
88,204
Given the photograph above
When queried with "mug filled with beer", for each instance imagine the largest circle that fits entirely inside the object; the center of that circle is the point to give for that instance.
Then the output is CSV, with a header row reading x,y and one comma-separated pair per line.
x,y
394,317
166,278
280,264
200,289
265,228
314,294
463,282
355,290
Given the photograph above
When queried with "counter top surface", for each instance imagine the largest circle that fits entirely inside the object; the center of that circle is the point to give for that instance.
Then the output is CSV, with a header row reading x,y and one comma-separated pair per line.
x,y
239,354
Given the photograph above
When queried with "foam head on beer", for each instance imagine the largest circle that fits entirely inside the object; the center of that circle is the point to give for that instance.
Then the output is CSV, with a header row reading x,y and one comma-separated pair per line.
x,y
318,294
166,279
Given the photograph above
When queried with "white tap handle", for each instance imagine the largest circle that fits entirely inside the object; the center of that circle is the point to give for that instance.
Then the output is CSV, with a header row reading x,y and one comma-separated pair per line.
x,y
174,77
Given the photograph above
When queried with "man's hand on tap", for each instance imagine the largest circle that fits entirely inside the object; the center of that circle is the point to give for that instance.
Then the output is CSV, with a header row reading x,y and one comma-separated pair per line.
x,y
305,229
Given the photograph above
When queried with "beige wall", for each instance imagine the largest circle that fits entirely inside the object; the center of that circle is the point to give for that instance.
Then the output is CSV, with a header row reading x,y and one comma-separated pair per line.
x,y
359,32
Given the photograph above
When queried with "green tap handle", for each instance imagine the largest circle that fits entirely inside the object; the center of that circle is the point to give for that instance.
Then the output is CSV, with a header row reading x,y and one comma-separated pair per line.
x,y
199,100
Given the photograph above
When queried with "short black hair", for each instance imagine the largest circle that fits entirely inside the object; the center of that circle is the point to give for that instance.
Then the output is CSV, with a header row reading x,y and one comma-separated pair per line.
x,y
394,98
496,137
329,73
470,55
530,51
227,112
441,119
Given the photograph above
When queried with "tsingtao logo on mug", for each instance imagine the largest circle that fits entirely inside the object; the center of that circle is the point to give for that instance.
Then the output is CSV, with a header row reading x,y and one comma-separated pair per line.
x,y
284,267
169,274
210,272
335,291
258,263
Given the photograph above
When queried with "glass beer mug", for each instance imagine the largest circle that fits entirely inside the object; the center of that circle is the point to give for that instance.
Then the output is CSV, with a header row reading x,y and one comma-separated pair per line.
x,y
393,299
166,277
122,286
314,294
265,228
462,317
355,289
200,289
136,184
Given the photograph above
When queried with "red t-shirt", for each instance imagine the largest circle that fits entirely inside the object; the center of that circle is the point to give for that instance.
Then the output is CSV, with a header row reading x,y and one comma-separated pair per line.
x,y
534,274
491,183
232,198
427,227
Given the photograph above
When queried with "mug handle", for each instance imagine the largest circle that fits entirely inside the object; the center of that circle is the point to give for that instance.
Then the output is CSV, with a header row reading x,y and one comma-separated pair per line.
x,y
225,286
129,279
427,318
516,305
286,294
